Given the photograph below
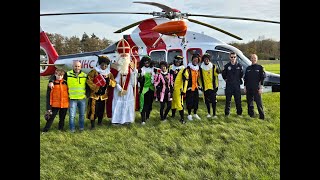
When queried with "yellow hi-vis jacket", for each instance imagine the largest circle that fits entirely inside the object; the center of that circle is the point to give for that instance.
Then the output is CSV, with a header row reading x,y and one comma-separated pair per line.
x,y
76,85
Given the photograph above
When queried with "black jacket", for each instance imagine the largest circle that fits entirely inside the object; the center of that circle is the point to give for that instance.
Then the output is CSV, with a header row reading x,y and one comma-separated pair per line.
x,y
254,76
233,74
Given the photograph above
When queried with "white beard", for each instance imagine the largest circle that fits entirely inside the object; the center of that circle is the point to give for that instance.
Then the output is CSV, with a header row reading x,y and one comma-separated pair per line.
x,y
123,63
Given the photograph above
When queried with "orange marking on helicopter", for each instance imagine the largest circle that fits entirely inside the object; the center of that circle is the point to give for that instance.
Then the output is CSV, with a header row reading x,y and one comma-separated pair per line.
x,y
172,27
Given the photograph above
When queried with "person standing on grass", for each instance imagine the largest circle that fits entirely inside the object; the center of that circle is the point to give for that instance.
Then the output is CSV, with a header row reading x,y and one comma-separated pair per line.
x,y
174,70
99,79
179,92
209,83
232,74
145,78
57,100
76,80
164,85
253,81
192,94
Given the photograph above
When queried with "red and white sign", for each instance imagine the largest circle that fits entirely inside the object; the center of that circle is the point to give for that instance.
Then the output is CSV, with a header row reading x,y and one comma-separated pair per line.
x,y
99,80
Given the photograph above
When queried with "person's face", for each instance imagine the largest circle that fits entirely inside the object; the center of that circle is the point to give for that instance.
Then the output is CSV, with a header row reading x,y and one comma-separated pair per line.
x,y
195,61
206,61
233,58
146,64
103,66
254,59
163,68
177,63
77,67
59,76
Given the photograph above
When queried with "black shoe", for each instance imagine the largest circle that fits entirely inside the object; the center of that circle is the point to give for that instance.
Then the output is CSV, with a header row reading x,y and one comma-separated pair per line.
x,y
182,121
262,118
100,124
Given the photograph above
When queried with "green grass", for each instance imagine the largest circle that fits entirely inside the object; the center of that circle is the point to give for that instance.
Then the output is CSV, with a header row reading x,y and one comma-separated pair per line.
x,y
225,148
262,62
275,68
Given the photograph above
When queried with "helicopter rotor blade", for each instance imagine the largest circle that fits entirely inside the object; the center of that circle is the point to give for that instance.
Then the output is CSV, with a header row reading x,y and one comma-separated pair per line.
x,y
230,17
213,27
128,27
162,6
79,13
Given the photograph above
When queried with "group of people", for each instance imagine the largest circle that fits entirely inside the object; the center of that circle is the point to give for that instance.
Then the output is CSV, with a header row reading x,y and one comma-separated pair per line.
x,y
110,90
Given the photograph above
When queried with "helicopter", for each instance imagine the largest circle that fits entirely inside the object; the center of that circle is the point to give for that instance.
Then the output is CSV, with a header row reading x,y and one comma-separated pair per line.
x,y
161,37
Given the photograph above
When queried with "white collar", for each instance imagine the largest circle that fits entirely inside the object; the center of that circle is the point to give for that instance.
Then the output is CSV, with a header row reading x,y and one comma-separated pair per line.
x,y
103,72
193,67
206,67
177,67
145,70
164,73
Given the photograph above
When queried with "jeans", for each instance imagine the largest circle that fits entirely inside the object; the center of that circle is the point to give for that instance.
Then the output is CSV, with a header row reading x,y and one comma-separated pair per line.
x,y
81,104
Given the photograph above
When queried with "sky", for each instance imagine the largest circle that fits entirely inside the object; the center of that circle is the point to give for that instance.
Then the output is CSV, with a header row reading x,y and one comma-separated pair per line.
x,y
104,25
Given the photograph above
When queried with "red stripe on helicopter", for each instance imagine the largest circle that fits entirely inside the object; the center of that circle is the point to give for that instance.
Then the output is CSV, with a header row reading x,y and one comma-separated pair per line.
x,y
149,37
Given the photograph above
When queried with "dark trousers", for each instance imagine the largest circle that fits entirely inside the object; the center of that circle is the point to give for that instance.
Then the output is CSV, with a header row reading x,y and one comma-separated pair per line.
x,y
210,97
235,91
62,116
192,101
99,111
162,105
253,95
147,105
180,112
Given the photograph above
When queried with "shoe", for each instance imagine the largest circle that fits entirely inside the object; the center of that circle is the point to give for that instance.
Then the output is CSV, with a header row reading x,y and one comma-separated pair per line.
x,y
92,128
165,120
261,118
208,116
196,116
73,131
99,124
239,115
214,117
182,121
227,115
190,117
143,123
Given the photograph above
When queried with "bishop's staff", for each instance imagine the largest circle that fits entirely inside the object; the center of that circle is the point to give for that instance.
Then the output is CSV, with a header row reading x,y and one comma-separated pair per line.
x,y
135,75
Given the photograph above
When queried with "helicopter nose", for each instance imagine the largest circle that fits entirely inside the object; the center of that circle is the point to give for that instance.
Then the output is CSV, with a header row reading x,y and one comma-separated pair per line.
x,y
272,80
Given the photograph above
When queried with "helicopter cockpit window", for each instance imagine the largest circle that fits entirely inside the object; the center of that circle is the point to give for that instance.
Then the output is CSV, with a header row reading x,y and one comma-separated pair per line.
x,y
172,54
158,56
219,58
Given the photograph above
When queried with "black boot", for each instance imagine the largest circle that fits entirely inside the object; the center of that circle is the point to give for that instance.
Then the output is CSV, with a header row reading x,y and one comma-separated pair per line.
x,y
181,117
99,121
92,124
173,113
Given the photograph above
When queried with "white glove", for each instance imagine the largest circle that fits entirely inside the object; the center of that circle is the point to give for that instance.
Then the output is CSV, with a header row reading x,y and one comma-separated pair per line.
x,y
50,85
119,87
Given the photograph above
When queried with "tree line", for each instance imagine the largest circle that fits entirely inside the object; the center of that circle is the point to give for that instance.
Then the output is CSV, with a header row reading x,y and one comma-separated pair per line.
x,y
267,49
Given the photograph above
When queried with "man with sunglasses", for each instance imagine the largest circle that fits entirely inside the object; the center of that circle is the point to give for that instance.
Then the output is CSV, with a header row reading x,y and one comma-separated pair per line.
x,y
232,74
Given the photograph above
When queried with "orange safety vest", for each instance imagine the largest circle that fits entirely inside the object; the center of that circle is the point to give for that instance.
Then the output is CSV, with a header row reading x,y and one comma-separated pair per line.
x,y
59,97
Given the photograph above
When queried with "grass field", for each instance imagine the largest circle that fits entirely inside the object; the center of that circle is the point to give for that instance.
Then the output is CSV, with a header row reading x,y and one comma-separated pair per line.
x,y
224,148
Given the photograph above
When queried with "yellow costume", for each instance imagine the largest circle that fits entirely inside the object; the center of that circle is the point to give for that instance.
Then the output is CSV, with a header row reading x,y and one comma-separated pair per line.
x,y
180,85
